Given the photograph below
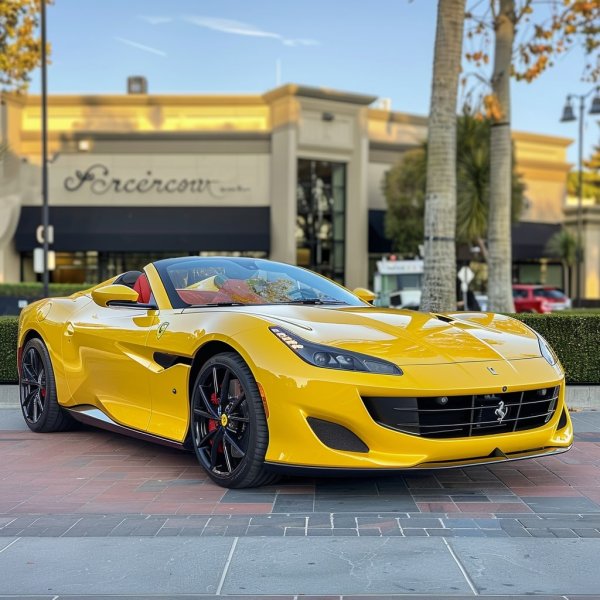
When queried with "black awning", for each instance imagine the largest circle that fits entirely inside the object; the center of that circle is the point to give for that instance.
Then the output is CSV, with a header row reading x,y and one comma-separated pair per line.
x,y
144,229
529,240
378,243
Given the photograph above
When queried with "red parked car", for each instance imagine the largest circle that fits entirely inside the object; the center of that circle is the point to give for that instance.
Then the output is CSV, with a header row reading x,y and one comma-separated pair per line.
x,y
539,298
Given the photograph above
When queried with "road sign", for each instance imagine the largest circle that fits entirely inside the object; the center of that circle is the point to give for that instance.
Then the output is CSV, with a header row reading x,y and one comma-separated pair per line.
x,y
465,274
38,260
39,234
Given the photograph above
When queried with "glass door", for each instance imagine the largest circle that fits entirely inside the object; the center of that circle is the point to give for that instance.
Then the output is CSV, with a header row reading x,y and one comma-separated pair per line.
x,y
321,217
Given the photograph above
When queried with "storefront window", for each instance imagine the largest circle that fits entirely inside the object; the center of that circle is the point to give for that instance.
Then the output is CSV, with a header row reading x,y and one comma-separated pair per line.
x,y
321,217
94,267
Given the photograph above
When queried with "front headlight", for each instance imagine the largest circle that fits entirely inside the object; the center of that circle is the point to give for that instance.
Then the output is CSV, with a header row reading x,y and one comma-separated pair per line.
x,y
547,351
331,358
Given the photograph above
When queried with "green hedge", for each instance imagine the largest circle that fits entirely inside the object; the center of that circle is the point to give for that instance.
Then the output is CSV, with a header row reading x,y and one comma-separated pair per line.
x,y
34,291
574,337
8,349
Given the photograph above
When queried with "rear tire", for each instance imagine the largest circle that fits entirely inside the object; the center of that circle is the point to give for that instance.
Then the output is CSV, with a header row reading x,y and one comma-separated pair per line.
x,y
228,426
37,389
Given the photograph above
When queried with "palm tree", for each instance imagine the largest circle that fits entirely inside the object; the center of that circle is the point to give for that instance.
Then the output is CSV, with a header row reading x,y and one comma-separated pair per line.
x,y
404,188
439,277
473,182
499,234
473,174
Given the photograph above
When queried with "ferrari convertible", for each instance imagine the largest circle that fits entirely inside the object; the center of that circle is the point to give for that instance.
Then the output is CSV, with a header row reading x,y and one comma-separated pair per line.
x,y
264,368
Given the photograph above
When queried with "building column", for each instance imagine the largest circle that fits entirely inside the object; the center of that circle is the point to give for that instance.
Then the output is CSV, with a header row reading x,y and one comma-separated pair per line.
x,y
357,207
591,252
10,207
284,179
590,290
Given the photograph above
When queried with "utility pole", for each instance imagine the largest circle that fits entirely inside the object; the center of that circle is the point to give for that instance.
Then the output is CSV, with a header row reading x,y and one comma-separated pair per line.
x,y
45,211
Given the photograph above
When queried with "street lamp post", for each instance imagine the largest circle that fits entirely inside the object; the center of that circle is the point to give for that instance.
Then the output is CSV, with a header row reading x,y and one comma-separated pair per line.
x,y
45,211
568,116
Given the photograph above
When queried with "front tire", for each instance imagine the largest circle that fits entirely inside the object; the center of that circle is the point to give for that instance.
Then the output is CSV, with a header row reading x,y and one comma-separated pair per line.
x,y
37,389
228,424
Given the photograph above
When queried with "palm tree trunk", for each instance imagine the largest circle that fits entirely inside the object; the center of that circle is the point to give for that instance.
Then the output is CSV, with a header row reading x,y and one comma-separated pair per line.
x,y
499,233
439,277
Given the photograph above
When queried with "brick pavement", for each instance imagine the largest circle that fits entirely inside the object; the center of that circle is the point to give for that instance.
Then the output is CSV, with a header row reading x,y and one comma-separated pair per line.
x,y
94,483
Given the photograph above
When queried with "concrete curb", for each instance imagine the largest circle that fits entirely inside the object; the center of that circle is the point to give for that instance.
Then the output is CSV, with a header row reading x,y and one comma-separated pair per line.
x,y
9,396
583,397
579,397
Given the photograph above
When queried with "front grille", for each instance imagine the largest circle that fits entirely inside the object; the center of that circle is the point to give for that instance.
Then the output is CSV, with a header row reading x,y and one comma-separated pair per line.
x,y
465,416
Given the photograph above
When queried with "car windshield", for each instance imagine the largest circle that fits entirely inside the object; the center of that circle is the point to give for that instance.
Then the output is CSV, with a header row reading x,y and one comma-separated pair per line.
x,y
552,294
224,281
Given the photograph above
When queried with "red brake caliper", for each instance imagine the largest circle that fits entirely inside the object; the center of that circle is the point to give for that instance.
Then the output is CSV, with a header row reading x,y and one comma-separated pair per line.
x,y
212,423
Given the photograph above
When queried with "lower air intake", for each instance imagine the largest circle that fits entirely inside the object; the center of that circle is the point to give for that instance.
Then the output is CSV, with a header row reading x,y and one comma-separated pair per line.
x,y
336,436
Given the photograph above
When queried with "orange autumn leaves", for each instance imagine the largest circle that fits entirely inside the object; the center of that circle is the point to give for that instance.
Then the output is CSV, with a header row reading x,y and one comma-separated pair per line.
x,y
20,43
544,31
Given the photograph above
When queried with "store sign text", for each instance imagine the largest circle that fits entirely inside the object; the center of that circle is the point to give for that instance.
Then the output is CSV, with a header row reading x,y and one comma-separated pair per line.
x,y
98,180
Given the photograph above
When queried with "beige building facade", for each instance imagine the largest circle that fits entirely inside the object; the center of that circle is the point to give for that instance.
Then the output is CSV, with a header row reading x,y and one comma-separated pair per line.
x,y
293,174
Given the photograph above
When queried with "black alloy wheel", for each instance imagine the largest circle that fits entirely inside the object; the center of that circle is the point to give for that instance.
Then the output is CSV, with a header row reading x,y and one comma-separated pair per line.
x,y
37,388
34,389
228,423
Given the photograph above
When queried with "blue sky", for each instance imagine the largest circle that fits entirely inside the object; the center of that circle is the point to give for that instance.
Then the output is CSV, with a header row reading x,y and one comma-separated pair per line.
x,y
381,47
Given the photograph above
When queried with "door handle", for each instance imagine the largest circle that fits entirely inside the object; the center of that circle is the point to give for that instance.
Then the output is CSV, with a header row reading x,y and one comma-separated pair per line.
x,y
69,329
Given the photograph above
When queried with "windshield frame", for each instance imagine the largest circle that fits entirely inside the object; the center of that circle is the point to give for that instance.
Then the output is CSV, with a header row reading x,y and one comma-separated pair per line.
x,y
343,296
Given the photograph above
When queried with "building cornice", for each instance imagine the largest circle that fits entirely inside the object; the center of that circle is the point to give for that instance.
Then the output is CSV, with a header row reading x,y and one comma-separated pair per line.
x,y
145,100
376,145
165,135
543,165
539,138
321,93
377,114
590,215
12,98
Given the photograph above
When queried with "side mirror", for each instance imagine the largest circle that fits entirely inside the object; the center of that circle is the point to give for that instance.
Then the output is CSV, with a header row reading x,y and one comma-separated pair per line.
x,y
364,294
114,293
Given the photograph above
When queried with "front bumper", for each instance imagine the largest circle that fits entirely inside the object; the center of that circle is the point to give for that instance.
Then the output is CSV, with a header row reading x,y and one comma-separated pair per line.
x,y
336,397
308,471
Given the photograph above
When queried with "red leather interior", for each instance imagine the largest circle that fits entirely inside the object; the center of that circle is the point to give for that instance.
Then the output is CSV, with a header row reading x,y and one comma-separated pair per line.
x,y
202,296
142,287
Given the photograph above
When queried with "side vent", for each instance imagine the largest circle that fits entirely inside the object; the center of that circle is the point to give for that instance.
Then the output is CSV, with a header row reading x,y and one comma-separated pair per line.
x,y
166,361
336,436
563,420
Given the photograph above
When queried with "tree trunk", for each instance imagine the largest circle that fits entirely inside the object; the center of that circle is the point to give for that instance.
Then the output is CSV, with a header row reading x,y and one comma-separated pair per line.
x,y
439,277
499,219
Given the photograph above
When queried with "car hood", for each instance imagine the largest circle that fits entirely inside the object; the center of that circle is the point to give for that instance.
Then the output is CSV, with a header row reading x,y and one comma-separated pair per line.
x,y
407,337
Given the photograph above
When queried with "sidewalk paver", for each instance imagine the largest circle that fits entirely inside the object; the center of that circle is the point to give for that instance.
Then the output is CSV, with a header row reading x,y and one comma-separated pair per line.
x,y
334,566
97,483
91,512
529,567
114,566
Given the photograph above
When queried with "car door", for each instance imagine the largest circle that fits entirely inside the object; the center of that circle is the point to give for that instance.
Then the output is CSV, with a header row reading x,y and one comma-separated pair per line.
x,y
106,361
170,345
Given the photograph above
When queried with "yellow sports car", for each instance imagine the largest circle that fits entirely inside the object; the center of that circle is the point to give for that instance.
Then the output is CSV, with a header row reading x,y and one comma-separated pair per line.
x,y
263,368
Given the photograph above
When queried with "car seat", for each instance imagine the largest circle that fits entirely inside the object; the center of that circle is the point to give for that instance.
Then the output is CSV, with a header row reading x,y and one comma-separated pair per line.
x,y
142,287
